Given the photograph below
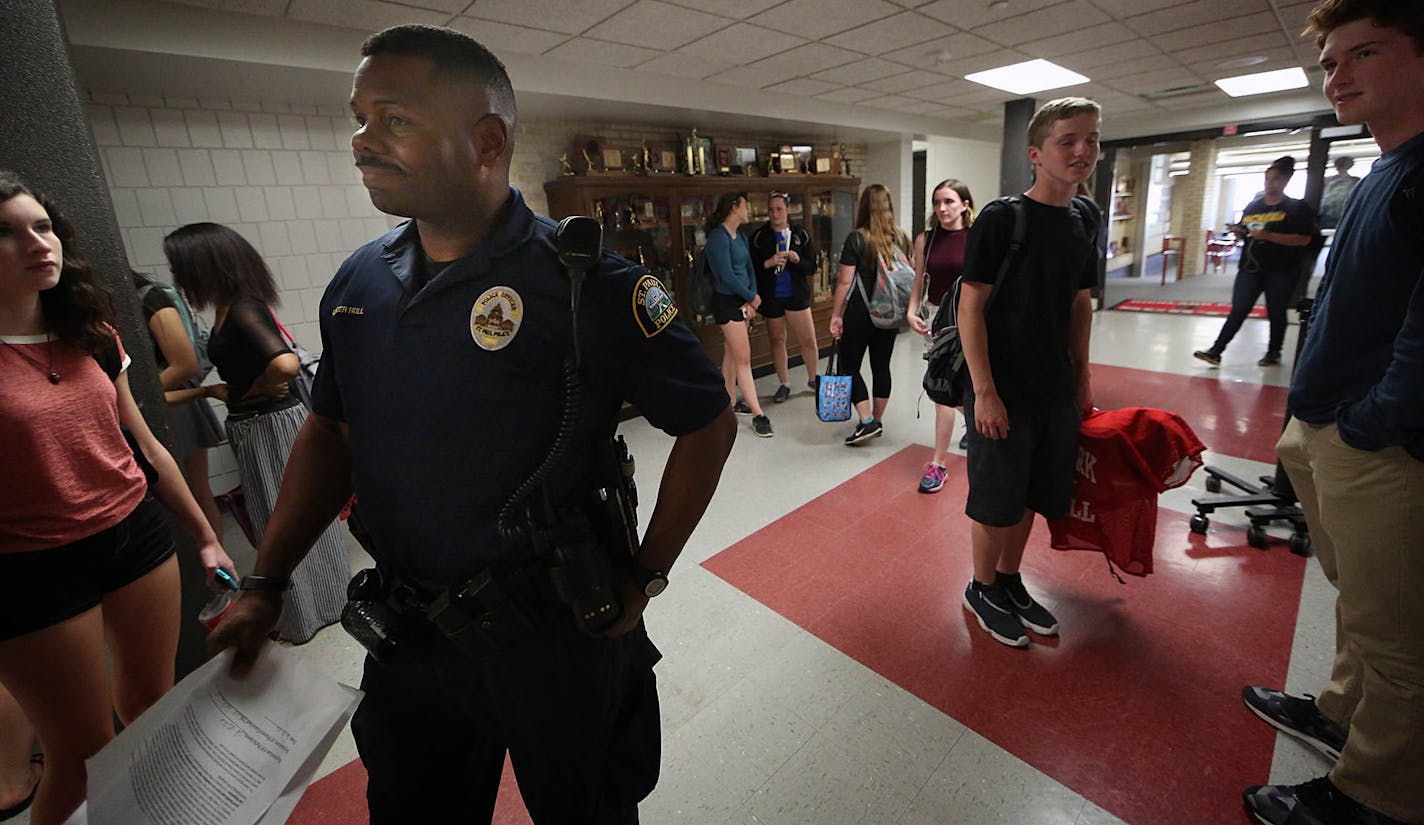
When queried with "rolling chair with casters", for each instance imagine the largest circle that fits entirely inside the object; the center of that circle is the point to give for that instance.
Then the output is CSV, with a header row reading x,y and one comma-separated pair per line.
x,y
1273,500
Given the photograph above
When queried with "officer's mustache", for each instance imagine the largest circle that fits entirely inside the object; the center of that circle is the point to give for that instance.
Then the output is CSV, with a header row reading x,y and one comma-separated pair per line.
x,y
374,163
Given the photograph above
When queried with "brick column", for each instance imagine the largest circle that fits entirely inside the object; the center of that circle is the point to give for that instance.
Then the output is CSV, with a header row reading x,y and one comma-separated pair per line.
x,y
1191,194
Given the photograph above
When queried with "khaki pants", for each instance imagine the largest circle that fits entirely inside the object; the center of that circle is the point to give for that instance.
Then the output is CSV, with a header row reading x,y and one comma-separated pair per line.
x,y
1366,517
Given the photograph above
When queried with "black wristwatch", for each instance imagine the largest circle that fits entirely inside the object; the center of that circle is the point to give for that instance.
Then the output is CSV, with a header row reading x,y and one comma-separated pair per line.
x,y
269,583
651,582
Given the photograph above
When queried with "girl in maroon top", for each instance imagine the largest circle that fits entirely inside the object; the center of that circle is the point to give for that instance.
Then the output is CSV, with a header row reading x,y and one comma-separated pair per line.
x,y
87,573
939,260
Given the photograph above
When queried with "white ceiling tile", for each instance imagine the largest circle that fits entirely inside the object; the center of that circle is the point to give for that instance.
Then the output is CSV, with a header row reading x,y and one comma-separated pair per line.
x,y
967,15
1204,35
1232,49
1153,62
849,95
369,15
1278,58
891,34
1150,83
900,83
821,18
1126,8
945,54
1069,44
686,65
803,60
742,43
948,112
871,68
503,37
657,24
804,86
979,63
891,102
1121,53
554,15
267,7
738,9
948,92
745,76
588,50
1047,22
450,6
1211,13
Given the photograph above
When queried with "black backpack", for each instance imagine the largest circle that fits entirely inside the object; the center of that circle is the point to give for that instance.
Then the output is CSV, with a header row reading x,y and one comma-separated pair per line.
x,y
945,365
699,287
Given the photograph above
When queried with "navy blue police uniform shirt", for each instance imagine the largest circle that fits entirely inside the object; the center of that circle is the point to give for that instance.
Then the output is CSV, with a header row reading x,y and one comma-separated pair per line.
x,y
452,393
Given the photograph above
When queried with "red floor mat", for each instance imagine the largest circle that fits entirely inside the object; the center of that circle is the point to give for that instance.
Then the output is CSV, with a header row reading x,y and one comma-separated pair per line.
x,y
1230,417
1211,308
1136,707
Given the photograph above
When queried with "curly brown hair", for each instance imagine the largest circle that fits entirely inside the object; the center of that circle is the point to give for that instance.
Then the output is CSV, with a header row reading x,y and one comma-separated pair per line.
x,y
1332,14
77,310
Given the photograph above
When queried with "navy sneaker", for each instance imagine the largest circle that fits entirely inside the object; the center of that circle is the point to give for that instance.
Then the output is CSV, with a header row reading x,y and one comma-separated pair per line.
x,y
1317,802
964,441
991,607
1033,615
782,393
1297,716
933,479
864,432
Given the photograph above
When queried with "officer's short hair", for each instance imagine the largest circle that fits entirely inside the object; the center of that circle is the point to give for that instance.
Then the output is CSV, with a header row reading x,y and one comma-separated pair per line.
x,y
1330,15
1053,111
452,52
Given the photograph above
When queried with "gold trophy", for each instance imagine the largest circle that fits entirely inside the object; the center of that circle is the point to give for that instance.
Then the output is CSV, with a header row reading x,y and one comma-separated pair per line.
x,y
565,168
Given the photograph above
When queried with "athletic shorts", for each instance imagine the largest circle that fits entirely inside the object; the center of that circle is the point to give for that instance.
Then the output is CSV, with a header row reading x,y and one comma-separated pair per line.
x,y
1033,468
774,307
727,308
44,587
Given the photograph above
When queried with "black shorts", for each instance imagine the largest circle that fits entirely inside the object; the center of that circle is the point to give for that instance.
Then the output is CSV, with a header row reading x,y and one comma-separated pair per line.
x,y
727,308
1033,468
774,307
44,587
578,715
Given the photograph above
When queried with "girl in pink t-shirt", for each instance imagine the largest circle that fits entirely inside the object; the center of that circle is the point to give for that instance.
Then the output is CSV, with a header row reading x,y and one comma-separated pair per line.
x,y
87,573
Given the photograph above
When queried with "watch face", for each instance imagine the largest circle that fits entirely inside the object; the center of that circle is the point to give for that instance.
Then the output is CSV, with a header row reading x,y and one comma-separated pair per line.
x,y
655,585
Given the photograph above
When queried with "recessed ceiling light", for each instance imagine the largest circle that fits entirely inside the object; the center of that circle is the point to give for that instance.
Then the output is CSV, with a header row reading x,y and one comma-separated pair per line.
x,y
1263,82
1243,62
1029,76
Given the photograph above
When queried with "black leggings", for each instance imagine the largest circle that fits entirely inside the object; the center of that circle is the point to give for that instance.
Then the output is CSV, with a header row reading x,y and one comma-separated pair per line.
x,y
857,335
1279,287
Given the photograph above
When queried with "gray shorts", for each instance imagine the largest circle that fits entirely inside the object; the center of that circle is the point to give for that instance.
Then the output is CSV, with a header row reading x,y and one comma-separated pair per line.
x,y
1030,469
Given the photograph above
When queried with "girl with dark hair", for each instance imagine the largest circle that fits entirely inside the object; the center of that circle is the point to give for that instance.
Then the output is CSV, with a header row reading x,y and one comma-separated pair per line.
x,y
216,267
87,573
734,300
876,237
939,261
1277,229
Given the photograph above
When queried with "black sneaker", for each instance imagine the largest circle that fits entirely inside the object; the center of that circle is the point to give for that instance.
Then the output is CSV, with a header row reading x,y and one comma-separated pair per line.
x,y
782,393
991,607
1270,359
761,425
1317,802
1033,615
864,431
1210,356
1297,716
813,384
741,408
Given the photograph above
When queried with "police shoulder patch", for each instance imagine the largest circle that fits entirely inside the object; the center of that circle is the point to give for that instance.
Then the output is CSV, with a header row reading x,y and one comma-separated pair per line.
x,y
653,308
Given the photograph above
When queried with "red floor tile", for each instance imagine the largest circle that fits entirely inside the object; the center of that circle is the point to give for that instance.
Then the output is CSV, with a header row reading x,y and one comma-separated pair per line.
x,y
1136,706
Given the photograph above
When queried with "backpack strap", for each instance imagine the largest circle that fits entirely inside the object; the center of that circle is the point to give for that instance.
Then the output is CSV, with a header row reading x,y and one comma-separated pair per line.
x,y
1016,242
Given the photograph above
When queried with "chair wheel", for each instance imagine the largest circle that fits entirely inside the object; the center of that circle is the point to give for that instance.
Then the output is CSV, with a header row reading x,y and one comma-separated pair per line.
x,y
1300,544
1256,537
1213,484
1199,523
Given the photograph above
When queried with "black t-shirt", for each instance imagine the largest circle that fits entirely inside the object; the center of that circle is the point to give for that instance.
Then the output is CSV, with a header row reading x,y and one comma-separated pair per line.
x,y
242,347
857,253
1030,319
154,300
1290,216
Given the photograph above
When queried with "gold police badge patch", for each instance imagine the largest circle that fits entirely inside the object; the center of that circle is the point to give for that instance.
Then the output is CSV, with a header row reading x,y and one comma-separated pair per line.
x,y
495,318
652,306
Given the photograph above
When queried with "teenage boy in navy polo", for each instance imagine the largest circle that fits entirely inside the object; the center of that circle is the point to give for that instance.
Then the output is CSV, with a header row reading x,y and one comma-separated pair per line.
x,y
1354,448
1028,364
442,388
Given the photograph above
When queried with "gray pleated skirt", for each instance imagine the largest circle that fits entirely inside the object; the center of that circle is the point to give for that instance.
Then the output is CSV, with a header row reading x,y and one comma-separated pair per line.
x,y
262,444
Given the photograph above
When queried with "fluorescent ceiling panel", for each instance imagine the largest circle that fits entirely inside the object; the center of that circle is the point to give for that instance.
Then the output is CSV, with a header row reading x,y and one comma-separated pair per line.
x,y
1027,77
1263,82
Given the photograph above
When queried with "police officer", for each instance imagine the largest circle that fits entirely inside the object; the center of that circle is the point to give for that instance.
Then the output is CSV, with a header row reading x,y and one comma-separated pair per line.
x,y
785,259
440,391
